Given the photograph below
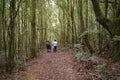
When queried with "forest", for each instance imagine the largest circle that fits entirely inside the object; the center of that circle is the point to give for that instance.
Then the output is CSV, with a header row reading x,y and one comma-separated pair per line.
x,y
89,28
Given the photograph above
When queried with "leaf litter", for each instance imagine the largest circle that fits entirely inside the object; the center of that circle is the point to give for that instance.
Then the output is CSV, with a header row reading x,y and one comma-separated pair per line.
x,y
63,65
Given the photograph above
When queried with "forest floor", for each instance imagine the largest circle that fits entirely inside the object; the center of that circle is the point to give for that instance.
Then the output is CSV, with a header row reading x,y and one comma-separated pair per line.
x,y
51,66
63,65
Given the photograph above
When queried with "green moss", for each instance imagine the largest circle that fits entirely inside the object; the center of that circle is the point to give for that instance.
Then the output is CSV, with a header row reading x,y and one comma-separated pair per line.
x,y
24,77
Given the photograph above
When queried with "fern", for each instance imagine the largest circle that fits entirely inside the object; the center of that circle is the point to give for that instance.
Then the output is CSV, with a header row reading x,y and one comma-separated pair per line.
x,y
80,51
90,31
82,55
20,62
116,38
79,55
2,54
102,66
78,46
93,58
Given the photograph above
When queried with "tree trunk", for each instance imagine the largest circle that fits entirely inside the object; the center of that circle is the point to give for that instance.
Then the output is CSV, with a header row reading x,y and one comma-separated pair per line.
x,y
72,21
33,24
68,22
4,33
85,39
11,62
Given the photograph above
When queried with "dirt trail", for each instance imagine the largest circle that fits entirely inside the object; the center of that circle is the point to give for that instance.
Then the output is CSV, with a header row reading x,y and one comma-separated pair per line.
x,y
52,66
64,66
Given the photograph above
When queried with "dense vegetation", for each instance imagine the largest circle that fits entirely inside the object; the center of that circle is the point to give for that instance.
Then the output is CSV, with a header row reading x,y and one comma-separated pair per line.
x,y
25,25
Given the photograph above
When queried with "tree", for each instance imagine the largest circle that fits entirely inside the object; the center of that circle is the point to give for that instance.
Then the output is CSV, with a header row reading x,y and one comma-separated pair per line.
x,y
85,38
112,26
33,25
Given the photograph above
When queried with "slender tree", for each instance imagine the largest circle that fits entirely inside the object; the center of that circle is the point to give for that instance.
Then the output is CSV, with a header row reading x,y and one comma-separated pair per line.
x,y
33,25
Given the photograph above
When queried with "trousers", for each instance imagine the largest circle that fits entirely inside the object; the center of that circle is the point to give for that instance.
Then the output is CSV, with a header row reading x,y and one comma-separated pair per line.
x,y
55,49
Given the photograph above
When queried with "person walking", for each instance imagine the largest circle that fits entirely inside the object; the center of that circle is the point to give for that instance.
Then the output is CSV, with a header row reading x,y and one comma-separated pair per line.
x,y
54,46
48,46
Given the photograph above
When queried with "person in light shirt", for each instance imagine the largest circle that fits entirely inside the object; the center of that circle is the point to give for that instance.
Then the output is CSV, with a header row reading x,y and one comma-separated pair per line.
x,y
54,46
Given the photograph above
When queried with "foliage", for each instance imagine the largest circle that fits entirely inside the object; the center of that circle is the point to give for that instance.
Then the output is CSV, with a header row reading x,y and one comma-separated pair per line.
x,y
2,54
24,77
93,58
102,66
80,51
20,62
82,55
89,31
78,46
79,55
116,38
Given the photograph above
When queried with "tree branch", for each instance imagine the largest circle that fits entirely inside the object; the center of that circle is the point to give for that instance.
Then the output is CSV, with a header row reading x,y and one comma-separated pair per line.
x,y
106,23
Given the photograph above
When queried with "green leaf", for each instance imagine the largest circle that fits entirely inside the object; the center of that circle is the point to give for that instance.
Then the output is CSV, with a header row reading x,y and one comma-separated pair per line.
x,y
79,55
116,38
102,66
2,54
20,62
24,77
78,46
93,58
90,31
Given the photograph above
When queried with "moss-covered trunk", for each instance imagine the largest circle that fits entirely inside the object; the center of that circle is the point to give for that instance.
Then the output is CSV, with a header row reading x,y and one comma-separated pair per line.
x,y
85,38
33,24
116,42
11,54
116,50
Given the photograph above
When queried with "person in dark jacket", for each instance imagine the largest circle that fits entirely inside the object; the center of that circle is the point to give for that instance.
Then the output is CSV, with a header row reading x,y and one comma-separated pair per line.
x,y
48,46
